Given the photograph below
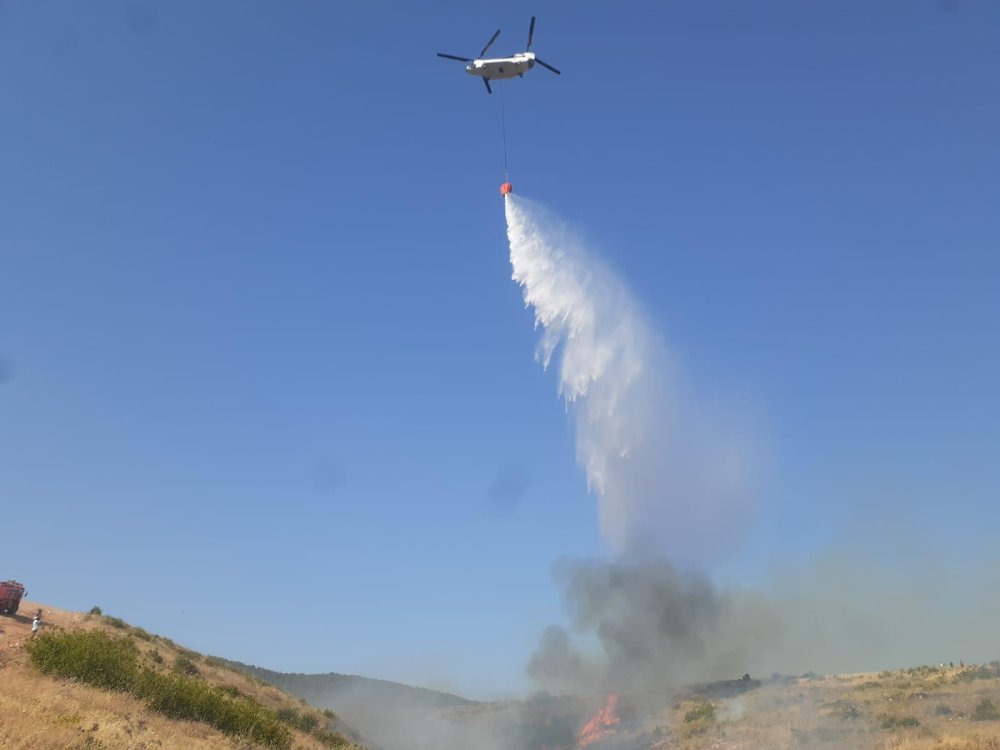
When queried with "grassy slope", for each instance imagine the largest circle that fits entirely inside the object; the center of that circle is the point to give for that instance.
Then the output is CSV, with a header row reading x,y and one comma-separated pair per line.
x,y
919,709
38,712
925,708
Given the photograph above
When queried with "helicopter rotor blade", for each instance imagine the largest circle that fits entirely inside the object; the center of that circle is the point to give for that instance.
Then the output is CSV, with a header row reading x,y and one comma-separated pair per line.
x,y
531,34
546,65
454,57
487,82
490,43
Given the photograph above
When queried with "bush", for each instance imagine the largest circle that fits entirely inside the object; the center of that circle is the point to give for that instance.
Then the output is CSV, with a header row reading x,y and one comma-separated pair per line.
x,y
942,710
105,661
331,739
895,722
186,652
305,721
309,723
982,672
985,711
95,611
180,697
184,665
116,622
155,656
91,656
704,711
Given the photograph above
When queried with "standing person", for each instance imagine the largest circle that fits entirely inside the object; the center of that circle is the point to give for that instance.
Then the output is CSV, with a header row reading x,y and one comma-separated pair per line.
x,y
35,624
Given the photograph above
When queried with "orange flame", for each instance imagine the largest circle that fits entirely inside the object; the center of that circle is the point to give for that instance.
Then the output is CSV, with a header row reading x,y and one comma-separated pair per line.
x,y
601,724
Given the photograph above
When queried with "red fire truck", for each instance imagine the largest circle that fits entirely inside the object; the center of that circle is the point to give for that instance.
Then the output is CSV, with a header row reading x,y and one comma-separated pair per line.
x,y
10,597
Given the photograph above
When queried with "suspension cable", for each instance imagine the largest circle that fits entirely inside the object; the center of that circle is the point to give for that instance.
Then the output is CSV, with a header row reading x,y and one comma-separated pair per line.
x,y
503,130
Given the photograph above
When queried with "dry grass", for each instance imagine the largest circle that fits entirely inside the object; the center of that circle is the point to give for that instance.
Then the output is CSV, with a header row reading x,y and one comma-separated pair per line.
x,y
38,712
921,709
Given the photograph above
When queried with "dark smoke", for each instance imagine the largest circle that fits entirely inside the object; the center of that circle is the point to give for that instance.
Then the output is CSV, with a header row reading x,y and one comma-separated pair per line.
x,y
556,664
657,627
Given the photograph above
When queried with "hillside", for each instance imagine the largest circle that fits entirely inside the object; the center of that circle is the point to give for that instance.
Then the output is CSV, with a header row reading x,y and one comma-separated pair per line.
x,y
377,708
951,707
154,693
332,689
922,708
172,696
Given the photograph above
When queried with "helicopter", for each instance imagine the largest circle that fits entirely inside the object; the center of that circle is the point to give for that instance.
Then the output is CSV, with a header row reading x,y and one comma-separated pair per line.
x,y
502,67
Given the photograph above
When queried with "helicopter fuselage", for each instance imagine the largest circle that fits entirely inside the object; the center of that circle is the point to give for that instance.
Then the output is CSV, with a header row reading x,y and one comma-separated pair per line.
x,y
502,67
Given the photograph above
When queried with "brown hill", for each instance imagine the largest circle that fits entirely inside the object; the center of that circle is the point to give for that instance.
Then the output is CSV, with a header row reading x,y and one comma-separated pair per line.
x,y
41,711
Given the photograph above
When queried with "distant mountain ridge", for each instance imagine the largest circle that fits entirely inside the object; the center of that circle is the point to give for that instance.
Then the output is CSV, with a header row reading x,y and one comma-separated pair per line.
x,y
380,709
327,689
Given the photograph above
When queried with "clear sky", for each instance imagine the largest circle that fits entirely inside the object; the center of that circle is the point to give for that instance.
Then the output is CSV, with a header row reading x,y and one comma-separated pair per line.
x,y
266,386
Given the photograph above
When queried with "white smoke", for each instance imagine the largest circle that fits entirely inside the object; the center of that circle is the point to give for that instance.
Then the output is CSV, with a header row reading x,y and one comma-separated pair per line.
x,y
667,482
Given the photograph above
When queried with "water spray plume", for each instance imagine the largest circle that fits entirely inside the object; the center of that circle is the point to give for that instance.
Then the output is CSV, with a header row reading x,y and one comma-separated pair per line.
x,y
666,481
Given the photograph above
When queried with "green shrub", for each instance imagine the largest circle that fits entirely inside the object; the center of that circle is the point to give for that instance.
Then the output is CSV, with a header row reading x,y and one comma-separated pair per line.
x,y
105,661
95,611
703,711
895,722
188,653
331,739
180,697
308,723
116,622
184,665
233,691
91,656
155,656
305,721
982,672
985,711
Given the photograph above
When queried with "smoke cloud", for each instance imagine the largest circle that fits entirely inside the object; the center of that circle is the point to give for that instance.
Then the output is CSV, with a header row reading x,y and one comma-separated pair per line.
x,y
667,480
656,628
671,485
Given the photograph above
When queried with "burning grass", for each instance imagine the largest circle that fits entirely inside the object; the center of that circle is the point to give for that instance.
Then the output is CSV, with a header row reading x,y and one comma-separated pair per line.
x,y
925,708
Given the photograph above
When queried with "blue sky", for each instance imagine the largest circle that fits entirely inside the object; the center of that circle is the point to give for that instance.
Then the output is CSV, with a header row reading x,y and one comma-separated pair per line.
x,y
267,386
